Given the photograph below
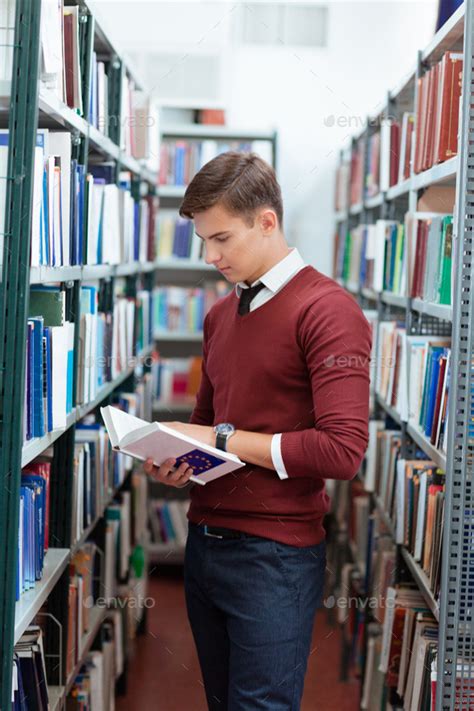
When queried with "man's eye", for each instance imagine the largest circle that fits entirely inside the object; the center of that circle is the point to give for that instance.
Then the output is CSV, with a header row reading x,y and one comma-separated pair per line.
x,y
221,239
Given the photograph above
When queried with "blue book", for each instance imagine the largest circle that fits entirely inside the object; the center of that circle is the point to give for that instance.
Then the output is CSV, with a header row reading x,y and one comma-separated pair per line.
x,y
136,230
38,484
100,181
37,376
433,387
105,171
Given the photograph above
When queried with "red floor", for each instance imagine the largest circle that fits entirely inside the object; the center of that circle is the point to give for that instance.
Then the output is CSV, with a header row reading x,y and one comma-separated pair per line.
x,y
165,675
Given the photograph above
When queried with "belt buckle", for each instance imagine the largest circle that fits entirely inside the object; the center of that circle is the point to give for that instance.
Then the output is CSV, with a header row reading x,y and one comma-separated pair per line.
x,y
213,535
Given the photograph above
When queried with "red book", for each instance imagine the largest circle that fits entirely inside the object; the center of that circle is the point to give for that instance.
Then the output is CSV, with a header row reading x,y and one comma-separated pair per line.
x,y
419,125
449,118
427,108
408,148
394,152
69,58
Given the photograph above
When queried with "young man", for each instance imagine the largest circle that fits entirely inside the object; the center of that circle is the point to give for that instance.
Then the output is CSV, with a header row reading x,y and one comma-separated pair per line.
x,y
285,386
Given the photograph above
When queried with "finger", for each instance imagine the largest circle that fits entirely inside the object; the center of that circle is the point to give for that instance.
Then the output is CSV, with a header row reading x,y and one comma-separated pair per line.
x,y
185,478
178,473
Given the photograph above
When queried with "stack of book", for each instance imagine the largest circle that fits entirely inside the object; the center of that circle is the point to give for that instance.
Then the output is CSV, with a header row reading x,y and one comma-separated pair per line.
x,y
79,216
82,592
183,309
408,646
431,256
49,372
428,387
33,526
65,54
373,256
94,685
176,238
176,379
181,159
420,515
391,378
29,684
437,112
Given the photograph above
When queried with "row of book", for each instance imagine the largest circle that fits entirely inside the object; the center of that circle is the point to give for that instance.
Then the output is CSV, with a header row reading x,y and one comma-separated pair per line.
x,y
437,112
411,493
183,309
401,659
110,340
168,521
413,377
175,379
65,55
84,217
373,256
413,258
180,160
391,149
98,471
176,238
49,372
431,257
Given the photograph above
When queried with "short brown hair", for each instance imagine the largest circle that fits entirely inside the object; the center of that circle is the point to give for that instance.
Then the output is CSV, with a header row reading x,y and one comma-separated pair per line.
x,y
241,182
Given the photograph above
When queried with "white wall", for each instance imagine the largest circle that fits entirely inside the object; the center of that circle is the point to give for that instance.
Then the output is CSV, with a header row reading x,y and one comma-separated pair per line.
x,y
371,46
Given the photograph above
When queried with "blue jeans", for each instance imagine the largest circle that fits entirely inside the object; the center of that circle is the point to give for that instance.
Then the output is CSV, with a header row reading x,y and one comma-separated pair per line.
x,y
251,604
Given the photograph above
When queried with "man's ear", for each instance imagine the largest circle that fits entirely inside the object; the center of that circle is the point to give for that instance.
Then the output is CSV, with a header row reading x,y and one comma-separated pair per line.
x,y
268,221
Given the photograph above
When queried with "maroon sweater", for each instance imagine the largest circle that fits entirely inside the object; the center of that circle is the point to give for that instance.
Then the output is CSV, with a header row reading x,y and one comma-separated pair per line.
x,y
297,365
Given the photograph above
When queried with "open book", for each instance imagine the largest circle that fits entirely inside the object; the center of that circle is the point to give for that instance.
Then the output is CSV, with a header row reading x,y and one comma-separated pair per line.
x,y
143,440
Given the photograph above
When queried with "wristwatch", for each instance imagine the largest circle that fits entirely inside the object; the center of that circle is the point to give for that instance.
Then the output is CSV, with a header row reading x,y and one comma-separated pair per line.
x,y
223,431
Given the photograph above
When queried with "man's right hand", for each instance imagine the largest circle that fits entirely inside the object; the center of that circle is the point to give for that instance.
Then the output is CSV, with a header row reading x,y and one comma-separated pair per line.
x,y
167,474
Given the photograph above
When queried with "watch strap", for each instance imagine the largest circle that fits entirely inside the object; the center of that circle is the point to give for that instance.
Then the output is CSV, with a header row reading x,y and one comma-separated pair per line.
x,y
221,441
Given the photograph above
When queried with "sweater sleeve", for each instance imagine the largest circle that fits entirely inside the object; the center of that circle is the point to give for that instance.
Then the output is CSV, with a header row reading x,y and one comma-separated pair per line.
x,y
203,413
336,340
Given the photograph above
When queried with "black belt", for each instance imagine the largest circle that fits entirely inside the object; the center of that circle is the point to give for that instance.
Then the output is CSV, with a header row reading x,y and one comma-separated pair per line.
x,y
217,532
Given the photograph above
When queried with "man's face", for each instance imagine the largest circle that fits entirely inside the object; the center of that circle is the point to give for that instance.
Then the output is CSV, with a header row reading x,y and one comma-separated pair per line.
x,y
233,247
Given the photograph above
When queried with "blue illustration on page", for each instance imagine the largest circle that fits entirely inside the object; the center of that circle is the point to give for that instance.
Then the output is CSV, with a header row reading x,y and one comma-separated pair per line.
x,y
199,461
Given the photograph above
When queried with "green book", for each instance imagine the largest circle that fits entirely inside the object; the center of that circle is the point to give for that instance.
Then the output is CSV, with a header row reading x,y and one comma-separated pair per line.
x,y
48,302
446,250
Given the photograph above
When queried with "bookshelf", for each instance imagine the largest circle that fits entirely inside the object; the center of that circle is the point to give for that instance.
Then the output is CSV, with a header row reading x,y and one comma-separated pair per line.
x,y
423,317
26,105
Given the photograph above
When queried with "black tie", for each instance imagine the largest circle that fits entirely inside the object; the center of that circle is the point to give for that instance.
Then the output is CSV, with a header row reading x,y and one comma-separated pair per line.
x,y
246,297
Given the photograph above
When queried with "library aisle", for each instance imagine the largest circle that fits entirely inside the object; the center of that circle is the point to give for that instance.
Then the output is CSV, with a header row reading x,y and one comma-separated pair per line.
x,y
174,676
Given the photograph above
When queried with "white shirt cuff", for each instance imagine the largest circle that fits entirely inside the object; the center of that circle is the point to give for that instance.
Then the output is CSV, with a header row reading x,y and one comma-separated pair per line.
x,y
277,459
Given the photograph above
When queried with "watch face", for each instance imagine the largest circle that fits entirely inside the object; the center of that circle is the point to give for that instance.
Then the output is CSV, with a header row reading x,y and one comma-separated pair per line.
x,y
224,428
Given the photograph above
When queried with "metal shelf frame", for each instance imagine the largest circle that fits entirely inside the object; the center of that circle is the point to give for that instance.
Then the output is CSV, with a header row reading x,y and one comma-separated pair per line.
x,y
454,609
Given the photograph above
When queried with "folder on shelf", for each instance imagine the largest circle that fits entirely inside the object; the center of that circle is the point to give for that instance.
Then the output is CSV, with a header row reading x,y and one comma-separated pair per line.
x,y
143,440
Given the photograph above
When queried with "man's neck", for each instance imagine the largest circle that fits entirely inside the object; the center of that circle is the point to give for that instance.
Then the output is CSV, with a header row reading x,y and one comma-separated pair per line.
x,y
275,259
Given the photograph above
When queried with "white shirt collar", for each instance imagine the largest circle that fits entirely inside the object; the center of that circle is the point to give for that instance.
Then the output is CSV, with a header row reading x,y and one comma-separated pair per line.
x,y
279,274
